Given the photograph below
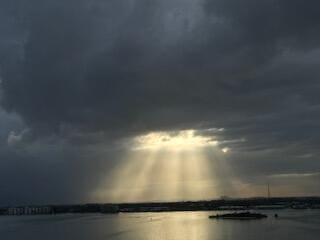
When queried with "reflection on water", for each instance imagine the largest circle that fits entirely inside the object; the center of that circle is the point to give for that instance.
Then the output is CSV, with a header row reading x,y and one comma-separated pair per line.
x,y
304,224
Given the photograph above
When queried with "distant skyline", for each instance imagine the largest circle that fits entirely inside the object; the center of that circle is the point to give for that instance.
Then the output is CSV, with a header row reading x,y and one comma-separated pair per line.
x,y
139,100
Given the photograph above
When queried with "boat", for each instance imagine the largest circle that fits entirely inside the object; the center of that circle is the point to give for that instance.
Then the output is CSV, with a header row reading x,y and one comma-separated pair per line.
x,y
239,216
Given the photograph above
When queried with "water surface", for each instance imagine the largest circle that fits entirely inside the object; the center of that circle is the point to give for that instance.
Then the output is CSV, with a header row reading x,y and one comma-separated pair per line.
x,y
291,224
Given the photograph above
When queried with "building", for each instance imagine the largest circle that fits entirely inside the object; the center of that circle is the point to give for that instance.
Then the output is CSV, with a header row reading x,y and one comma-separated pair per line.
x,y
29,210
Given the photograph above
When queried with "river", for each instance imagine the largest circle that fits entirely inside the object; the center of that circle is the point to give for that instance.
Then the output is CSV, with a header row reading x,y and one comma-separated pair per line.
x,y
291,224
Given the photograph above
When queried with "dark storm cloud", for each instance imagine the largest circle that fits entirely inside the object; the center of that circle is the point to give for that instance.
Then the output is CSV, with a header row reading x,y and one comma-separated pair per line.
x,y
266,22
88,72
79,69
46,172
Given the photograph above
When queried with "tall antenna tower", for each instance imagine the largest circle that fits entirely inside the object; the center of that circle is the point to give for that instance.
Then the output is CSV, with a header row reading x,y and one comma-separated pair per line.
x,y
268,190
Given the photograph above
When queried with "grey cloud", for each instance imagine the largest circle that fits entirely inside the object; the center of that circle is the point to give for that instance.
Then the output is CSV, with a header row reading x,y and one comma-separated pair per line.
x,y
92,72
283,22
88,73
52,171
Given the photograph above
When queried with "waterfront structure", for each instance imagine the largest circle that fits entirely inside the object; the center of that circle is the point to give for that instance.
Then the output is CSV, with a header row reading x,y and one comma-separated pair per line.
x,y
15,211
29,210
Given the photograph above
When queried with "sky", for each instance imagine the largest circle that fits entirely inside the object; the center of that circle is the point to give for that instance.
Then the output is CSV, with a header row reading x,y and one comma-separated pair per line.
x,y
162,100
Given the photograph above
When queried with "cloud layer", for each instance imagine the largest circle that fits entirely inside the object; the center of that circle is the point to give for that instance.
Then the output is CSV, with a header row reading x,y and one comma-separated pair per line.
x,y
79,74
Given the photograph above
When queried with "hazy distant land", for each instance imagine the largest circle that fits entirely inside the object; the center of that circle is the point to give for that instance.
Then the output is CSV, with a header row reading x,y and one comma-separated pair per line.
x,y
218,204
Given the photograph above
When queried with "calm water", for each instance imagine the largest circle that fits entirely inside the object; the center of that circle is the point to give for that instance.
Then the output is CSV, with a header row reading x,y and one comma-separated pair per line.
x,y
291,224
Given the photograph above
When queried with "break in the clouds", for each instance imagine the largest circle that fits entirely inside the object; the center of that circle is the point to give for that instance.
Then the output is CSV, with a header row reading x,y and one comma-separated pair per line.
x,y
80,77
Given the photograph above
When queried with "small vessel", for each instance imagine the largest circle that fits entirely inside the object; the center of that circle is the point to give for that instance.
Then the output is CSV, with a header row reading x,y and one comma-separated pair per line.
x,y
239,216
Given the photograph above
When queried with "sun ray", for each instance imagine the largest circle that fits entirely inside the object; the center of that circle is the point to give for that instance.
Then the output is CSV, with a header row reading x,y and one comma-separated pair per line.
x,y
163,177
170,166
141,178
117,185
223,173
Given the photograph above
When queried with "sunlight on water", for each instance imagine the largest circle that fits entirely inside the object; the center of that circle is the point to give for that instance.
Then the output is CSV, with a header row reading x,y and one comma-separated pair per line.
x,y
293,225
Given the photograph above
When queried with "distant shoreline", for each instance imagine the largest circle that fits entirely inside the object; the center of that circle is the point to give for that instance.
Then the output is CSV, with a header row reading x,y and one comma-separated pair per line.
x,y
207,205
